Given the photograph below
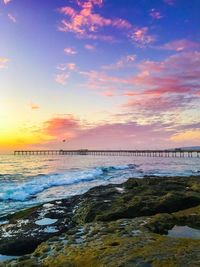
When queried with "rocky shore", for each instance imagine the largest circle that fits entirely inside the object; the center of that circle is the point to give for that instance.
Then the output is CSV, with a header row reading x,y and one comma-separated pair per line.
x,y
142,222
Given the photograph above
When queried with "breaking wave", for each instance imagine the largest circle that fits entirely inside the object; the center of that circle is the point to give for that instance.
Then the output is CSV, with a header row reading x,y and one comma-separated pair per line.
x,y
25,190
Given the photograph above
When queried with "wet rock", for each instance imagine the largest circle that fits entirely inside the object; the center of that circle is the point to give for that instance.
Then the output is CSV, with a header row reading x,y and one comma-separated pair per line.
x,y
102,244
114,225
138,197
28,228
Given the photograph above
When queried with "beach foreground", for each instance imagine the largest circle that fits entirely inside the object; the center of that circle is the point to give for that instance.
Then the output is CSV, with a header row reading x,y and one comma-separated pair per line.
x,y
142,222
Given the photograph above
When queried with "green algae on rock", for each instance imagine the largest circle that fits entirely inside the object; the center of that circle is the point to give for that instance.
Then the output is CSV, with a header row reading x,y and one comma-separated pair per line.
x,y
117,225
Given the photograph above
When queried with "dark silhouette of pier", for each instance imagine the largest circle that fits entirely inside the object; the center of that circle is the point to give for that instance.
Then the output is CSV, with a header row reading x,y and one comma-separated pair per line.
x,y
181,153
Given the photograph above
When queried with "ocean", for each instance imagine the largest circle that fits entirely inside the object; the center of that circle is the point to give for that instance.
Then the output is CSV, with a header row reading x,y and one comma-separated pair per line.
x,y
30,180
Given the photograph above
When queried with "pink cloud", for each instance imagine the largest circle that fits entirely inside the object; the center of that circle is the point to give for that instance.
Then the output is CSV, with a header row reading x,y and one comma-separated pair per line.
x,y
83,22
125,61
66,66
108,93
121,24
155,14
108,135
3,62
89,47
180,45
12,18
171,85
141,37
160,104
70,51
65,126
129,93
176,75
169,2
178,70
6,1
104,135
61,78
101,81
68,11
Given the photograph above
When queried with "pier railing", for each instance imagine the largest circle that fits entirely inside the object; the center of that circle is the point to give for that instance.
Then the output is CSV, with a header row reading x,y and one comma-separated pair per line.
x,y
137,153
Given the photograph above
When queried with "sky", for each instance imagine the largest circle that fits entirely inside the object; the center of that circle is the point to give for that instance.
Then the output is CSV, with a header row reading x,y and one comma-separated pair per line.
x,y
100,74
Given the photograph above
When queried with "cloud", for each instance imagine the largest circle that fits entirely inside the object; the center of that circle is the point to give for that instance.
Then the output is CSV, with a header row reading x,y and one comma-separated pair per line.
x,y
3,62
100,81
12,18
66,66
34,106
89,47
6,1
178,74
85,23
125,61
66,69
169,2
187,136
70,51
62,126
160,104
82,22
171,85
108,93
155,14
180,45
62,78
141,37
105,135
158,87
108,135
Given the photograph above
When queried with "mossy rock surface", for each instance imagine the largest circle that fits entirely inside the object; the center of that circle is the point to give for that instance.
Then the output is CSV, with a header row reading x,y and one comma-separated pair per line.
x,y
121,243
114,225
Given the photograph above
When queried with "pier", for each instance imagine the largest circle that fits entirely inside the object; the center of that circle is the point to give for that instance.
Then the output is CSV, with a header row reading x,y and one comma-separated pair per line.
x,y
177,153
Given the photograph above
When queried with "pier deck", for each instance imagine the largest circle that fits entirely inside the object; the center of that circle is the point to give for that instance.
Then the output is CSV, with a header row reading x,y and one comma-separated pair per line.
x,y
137,153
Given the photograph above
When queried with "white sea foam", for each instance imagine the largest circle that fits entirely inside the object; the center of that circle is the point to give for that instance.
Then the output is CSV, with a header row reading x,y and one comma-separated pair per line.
x,y
27,181
22,191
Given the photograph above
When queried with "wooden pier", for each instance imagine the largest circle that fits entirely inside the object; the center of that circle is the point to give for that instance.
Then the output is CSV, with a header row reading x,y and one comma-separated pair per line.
x,y
177,153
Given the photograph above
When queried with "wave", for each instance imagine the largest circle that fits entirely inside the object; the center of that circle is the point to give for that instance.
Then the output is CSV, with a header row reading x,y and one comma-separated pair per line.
x,y
22,191
118,168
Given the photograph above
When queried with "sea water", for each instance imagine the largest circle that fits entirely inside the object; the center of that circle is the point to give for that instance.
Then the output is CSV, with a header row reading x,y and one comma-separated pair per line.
x,y
29,180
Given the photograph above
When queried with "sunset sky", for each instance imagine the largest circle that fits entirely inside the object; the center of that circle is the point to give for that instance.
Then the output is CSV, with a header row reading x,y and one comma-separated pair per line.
x,y
110,74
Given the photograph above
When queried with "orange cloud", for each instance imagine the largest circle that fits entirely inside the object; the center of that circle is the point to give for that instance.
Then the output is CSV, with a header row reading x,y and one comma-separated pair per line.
x,y
191,135
34,106
3,62
70,51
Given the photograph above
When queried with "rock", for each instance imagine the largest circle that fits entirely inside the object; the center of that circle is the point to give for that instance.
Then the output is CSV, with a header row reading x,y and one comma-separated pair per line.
x,y
113,225
27,229
124,242
138,197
